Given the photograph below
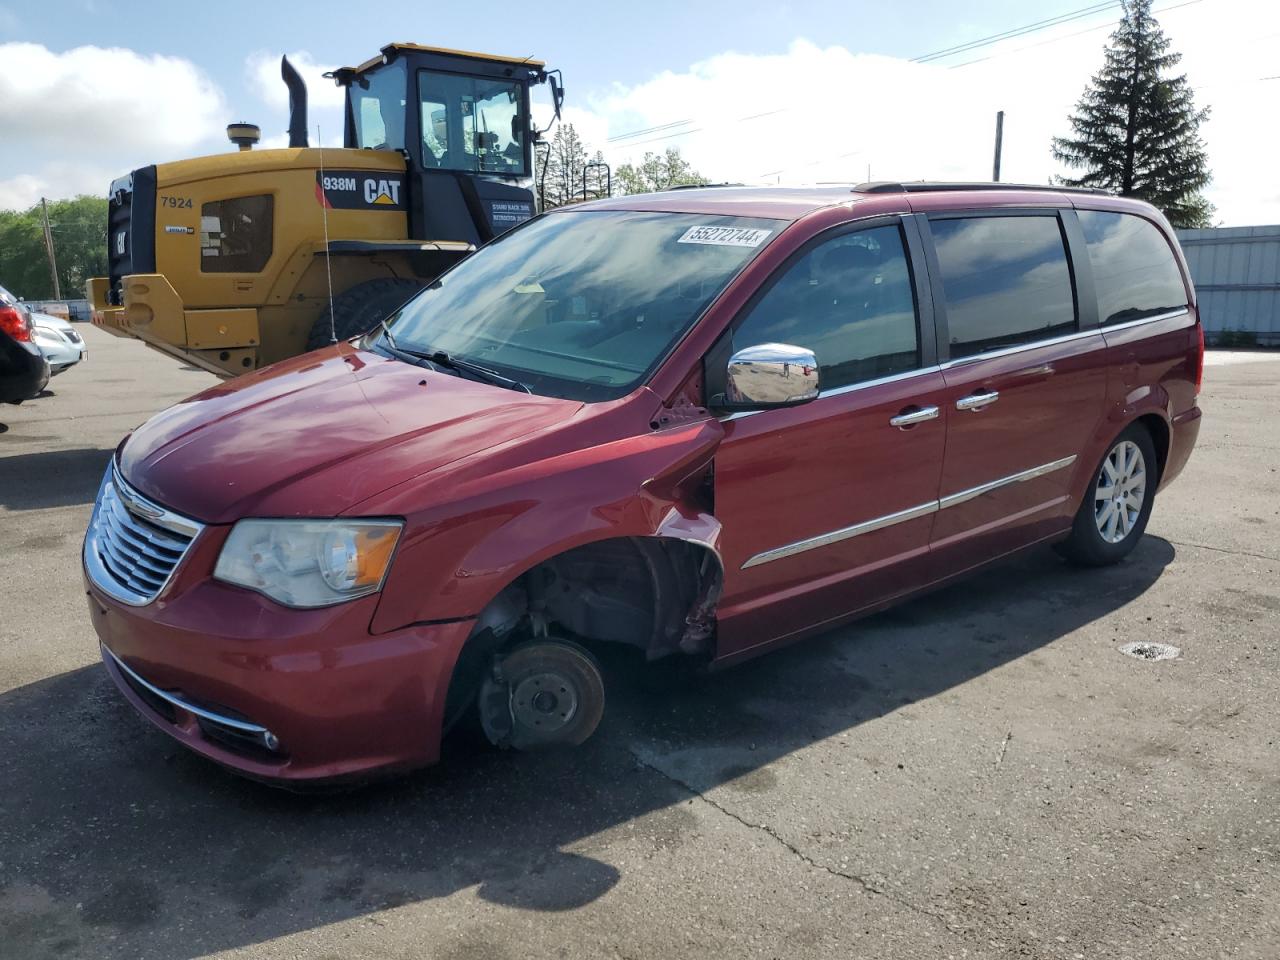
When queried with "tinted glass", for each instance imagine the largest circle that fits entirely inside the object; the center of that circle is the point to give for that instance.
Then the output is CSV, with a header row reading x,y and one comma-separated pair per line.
x,y
850,301
1005,280
235,235
378,110
584,304
472,124
1133,267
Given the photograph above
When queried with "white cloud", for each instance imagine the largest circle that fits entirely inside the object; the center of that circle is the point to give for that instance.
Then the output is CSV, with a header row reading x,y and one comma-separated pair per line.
x,y
20,192
105,100
814,114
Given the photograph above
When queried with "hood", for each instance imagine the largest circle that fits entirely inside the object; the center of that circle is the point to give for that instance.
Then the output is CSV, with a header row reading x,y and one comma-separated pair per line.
x,y
315,435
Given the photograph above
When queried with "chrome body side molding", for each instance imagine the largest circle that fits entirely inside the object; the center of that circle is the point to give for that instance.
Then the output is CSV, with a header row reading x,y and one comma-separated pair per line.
x,y
902,516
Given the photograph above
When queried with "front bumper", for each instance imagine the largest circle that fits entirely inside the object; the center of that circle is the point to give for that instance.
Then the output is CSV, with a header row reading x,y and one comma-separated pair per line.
x,y
279,694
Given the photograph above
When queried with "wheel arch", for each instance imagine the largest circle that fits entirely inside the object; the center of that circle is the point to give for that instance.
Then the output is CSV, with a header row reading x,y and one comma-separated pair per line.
x,y
674,577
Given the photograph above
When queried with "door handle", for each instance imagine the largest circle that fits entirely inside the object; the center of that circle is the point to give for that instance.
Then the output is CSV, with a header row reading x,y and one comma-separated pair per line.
x,y
976,401
911,416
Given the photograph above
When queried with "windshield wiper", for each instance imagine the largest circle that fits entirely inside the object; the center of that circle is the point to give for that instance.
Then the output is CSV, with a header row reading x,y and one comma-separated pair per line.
x,y
438,358
442,359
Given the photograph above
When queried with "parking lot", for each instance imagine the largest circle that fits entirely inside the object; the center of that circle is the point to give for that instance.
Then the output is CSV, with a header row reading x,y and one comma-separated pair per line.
x,y
980,773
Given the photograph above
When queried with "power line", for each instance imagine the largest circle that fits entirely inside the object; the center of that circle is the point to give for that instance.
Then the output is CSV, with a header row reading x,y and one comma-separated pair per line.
x,y
1016,32
929,57
1068,36
924,58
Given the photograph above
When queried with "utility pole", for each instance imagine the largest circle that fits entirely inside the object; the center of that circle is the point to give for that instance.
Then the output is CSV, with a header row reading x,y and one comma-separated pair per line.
x,y
48,248
995,166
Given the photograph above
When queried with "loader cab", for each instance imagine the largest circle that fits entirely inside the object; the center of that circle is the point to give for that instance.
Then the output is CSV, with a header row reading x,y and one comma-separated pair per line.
x,y
463,123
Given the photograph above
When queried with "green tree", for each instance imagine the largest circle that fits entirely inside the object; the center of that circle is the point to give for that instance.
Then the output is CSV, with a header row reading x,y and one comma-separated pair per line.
x,y
1136,130
658,171
569,168
79,229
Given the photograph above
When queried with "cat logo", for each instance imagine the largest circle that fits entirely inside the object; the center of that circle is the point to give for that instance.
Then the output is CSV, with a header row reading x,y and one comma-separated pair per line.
x,y
382,192
359,190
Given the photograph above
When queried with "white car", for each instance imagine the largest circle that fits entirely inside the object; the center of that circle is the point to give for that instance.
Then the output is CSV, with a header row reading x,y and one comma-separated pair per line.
x,y
58,340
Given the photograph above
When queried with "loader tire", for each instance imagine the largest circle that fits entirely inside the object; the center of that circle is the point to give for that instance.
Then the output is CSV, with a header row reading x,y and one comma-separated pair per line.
x,y
360,309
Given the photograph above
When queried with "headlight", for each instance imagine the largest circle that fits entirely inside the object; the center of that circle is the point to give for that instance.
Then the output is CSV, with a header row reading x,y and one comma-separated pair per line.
x,y
309,563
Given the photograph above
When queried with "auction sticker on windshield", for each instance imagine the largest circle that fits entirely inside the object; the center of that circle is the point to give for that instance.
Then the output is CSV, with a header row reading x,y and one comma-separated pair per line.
x,y
725,236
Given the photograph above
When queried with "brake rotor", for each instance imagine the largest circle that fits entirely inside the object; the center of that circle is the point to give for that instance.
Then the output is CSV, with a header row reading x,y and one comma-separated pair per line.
x,y
542,694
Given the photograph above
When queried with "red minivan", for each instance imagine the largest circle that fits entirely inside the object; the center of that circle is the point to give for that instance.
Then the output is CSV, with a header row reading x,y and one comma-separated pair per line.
x,y
701,423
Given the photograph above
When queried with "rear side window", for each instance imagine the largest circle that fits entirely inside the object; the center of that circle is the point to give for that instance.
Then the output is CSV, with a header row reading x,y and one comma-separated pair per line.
x,y
1133,267
235,235
1005,280
850,301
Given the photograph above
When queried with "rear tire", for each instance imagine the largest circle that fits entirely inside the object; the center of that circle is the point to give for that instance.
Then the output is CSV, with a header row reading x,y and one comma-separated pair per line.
x,y
1117,505
360,309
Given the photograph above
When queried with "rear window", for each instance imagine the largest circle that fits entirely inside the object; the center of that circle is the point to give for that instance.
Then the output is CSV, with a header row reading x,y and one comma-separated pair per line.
x,y
1005,280
1134,271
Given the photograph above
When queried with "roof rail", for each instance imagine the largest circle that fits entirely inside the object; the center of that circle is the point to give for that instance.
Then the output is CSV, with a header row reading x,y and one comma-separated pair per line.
x,y
699,186
927,186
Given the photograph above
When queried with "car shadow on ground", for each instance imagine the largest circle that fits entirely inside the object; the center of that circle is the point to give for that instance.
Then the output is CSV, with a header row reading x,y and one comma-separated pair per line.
x,y
53,478
117,842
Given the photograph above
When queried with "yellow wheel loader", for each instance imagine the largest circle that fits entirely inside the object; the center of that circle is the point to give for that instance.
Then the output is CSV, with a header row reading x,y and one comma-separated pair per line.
x,y
234,261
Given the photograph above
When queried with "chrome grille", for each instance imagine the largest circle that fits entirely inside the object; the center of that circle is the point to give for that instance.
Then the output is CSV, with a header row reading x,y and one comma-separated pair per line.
x,y
133,545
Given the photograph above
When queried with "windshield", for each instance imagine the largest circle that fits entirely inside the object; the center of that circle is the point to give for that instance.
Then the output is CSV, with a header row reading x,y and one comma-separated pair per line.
x,y
472,124
582,305
377,109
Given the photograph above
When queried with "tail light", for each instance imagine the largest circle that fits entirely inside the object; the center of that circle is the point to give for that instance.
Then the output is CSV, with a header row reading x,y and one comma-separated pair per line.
x,y
16,322
1199,357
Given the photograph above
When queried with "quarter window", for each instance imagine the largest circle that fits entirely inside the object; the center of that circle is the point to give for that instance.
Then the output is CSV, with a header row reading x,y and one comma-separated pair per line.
x,y
235,235
1133,268
1005,281
850,301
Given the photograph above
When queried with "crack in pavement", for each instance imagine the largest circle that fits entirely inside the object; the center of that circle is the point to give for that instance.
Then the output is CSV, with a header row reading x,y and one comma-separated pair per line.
x,y
866,885
1234,553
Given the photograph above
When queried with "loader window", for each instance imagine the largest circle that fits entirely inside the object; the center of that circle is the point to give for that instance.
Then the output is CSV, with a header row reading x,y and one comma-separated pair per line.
x,y
235,235
378,110
472,124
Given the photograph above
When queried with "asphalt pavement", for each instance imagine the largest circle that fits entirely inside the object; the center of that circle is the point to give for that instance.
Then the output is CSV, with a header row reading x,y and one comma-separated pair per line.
x,y
978,773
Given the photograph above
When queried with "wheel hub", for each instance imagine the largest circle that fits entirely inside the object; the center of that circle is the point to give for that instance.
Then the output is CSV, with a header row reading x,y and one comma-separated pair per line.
x,y
545,701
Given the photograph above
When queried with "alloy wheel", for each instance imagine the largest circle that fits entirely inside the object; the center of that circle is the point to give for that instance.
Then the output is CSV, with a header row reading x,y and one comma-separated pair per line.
x,y
1120,491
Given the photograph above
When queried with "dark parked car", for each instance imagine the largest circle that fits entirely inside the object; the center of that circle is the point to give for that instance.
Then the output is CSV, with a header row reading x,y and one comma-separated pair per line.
x,y
700,423
23,369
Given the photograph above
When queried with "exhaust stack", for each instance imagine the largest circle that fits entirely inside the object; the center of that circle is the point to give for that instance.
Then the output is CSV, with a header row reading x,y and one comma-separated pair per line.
x,y
297,103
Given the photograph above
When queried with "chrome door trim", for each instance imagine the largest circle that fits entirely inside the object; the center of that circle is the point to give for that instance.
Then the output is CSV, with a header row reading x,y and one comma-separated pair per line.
x,y
848,388
844,533
1023,347
1182,312
902,516
1065,338
955,499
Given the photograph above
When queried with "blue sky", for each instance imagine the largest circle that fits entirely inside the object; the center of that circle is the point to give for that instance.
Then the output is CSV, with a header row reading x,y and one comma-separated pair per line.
x,y
92,88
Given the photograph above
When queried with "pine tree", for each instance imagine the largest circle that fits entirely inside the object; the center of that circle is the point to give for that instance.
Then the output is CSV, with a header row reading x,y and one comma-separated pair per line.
x,y
563,171
1136,130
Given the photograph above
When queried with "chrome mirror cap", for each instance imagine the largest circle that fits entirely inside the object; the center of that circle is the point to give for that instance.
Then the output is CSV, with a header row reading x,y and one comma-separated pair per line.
x,y
771,375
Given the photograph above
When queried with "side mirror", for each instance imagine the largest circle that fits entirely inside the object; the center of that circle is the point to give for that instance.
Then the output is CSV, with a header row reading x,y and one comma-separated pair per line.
x,y
771,375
